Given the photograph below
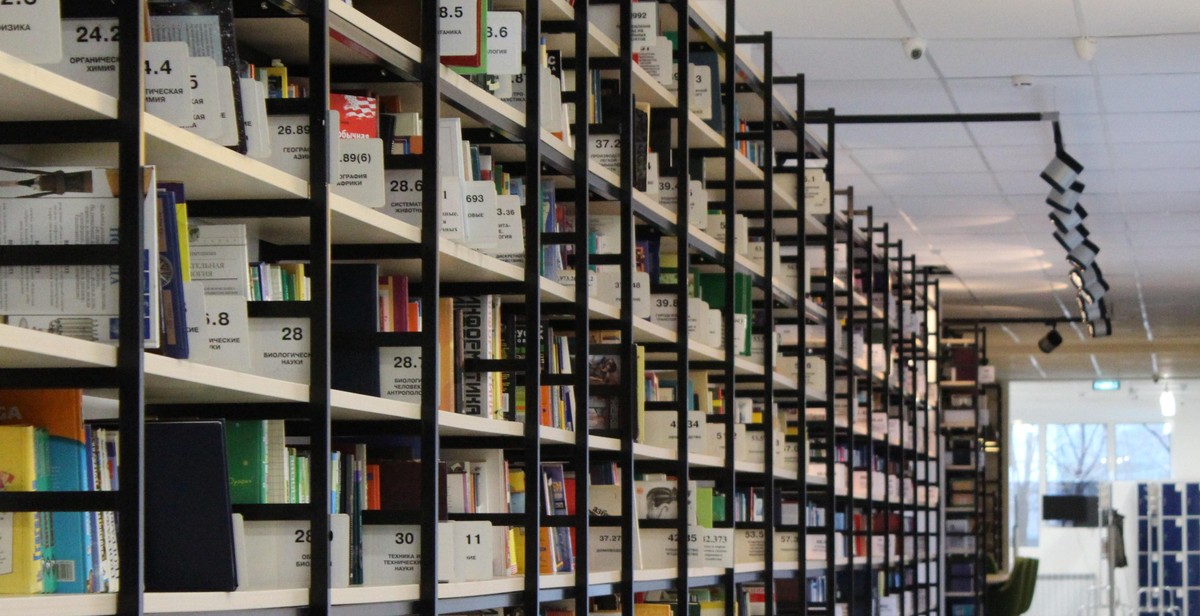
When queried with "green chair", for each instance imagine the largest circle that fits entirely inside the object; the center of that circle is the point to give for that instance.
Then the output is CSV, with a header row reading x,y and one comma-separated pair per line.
x,y
1006,599
1030,583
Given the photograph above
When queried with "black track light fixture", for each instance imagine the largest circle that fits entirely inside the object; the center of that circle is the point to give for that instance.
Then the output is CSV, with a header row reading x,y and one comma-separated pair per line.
x,y
1051,340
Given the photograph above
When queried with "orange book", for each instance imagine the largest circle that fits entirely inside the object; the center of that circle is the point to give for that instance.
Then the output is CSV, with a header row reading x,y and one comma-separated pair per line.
x,y
548,562
446,395
546,407
373,487
414,317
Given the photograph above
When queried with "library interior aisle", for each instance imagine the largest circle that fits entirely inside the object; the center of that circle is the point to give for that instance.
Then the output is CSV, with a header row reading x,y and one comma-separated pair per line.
x,y
465,307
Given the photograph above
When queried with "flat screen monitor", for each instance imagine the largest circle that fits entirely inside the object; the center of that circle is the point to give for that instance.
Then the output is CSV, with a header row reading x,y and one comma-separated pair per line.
x,y
1071,510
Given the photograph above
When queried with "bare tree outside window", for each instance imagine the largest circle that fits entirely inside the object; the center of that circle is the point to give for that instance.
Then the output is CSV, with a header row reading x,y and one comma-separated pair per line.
x,y
1143,452
1076,458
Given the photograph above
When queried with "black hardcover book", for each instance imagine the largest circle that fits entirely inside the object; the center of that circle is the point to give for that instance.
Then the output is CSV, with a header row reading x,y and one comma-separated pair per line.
x,y
353,316
641,136
189,520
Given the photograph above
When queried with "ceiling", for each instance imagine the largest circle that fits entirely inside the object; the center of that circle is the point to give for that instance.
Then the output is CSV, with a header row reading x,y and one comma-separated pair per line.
x,y
968,196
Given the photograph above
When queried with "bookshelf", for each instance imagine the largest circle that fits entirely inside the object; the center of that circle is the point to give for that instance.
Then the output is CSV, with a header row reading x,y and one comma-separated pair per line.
x,y
337,47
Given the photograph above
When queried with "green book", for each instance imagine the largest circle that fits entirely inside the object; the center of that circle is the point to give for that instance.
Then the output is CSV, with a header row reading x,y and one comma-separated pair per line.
x,y
246,447
704,507
718,507
41,483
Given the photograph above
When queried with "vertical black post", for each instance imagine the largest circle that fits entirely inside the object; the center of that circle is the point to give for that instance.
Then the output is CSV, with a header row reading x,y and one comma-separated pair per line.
x,y
431,223
769,416
319,267
581,458
872,387
831,325
683,265
802,326
728,89
533,301
628,402
132,264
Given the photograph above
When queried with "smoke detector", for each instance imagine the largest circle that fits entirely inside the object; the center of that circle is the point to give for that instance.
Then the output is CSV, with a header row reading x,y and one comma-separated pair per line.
x,y
1022,81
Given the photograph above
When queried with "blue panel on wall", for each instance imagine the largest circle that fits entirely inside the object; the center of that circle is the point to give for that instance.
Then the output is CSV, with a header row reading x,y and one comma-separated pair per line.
x,y
1173,535
1193,498
1193,535
1172,496
1172,568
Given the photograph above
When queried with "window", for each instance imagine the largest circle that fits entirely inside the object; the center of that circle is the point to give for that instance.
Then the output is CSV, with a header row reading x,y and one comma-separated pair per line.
x,y
1024,476
1076,458
1143,452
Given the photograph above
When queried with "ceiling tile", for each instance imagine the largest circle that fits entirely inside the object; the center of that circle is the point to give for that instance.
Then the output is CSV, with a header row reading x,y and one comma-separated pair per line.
x,y
1082,128
1160,180
1146,93
920,160
935,184
954,19
921,208
880,96
1124,18
966,223
842,59
1141,55
820,19
1012,133
1005,58
1157,155
1022,183
1153,127
1019,158
988,95
1136,203
903,135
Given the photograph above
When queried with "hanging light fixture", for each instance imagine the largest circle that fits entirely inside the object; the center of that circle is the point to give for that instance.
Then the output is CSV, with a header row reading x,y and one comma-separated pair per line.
x,y
1051,340
1062,170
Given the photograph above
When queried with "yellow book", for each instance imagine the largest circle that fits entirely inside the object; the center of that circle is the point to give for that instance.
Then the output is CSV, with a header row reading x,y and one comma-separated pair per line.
x,y
640,374
652,609
185,257
21,564
516,541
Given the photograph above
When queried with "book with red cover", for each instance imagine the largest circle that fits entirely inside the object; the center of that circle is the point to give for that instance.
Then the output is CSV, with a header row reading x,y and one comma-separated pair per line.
x,y
358,116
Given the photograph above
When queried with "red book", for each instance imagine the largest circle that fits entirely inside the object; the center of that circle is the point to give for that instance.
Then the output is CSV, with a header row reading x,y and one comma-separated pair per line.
x,y
358,116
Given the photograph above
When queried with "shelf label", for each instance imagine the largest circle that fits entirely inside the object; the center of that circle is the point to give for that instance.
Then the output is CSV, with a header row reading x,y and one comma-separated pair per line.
x,y
168,88
254,118
290,149
701,101
697,210
510,235
606,150
280,348
662,427
459,27
697,322
32,30
716,546
227,327
228,117
668,196
452,208
90,53
750,545
281,554
664,310
504,43
473,549
482,218
404,195
360,172
206,103
391,554
644,24
400,374
512,90
652,176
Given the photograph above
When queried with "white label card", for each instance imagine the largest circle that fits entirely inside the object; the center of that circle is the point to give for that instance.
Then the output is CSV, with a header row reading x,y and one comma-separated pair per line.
x,y
360,172
168,87
510,235
482,220
504,43
400,374
90,53
391,554
697,204
452,208
644,25
701,101
194,310
280,348
225,86
459,27
6,542
652,176
664,310
404,188
254,116
31,30
281,553
206,103
668,197
290,149
716,547
228,330
606,150
473,547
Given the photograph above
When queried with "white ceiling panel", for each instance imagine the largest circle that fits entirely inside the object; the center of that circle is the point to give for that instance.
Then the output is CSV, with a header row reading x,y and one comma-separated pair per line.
x,y
1142,55
1143,203
1028,134
880,96
1158,155
923,208
1153,127
998,95
1082,129
855,19
936,184
1160,180
984,19
967,224
840,59
1023,183
921,160
1144,93
1019,158
1125,18
1005,58
903,135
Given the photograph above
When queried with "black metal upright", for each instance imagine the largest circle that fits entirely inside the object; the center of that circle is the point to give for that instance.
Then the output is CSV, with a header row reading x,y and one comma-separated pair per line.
x,y
320,170
628,352
769,418
533,304
728,48
431,222
683,265
581,458
831,325
133,261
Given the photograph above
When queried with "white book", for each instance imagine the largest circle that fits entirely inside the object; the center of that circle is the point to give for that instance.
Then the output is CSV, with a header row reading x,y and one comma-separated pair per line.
x,y
220,259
